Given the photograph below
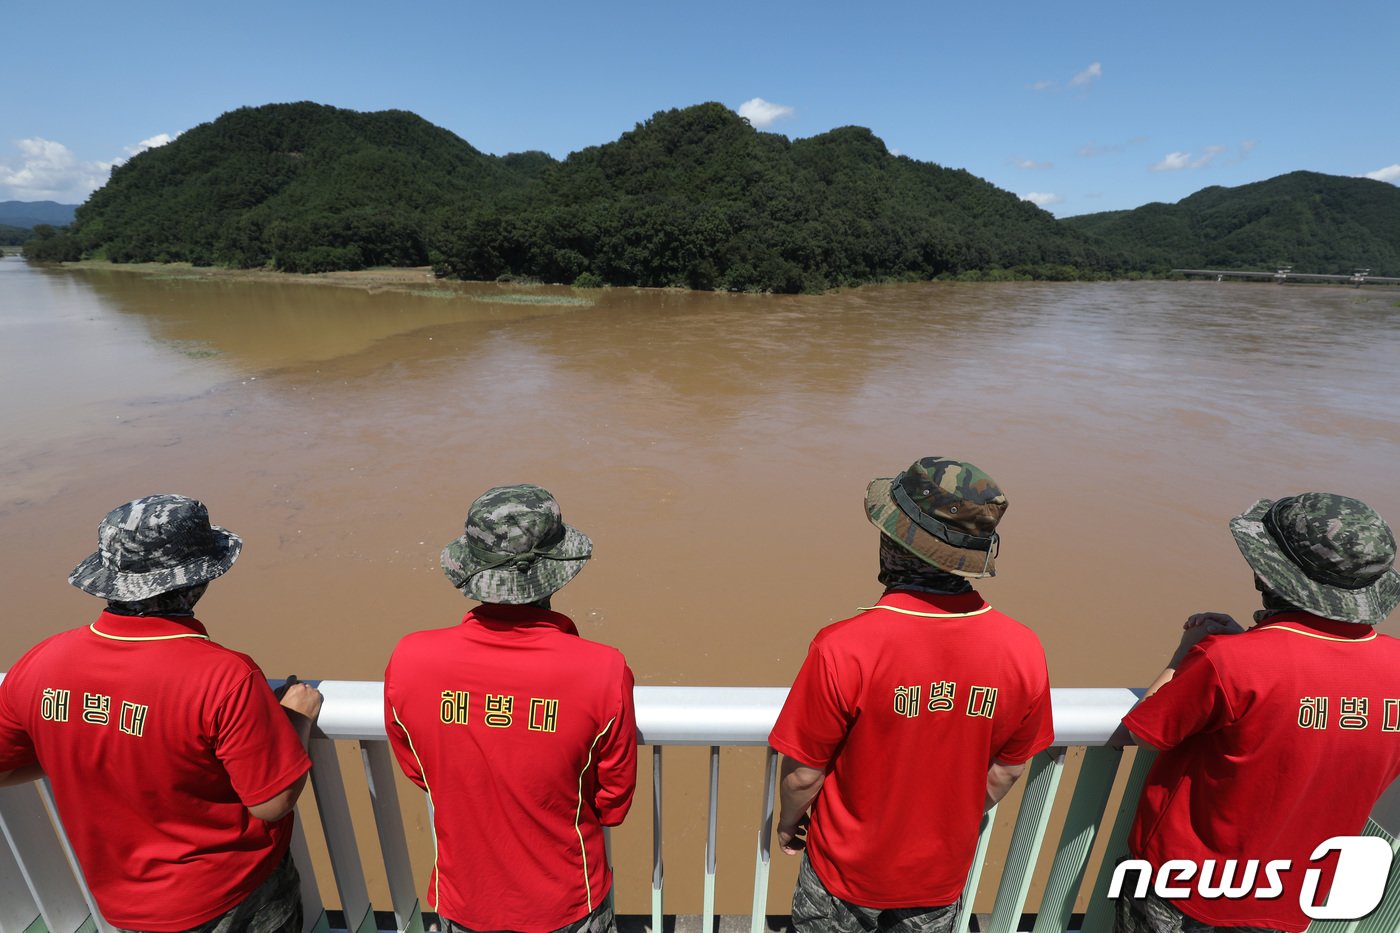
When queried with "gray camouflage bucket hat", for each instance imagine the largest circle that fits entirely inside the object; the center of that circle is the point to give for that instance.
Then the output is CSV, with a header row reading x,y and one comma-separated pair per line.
x,y
944,512
516,548
154,545
1326,554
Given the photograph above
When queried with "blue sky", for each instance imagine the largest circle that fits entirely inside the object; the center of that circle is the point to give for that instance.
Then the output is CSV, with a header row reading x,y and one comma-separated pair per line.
x,y
1078,106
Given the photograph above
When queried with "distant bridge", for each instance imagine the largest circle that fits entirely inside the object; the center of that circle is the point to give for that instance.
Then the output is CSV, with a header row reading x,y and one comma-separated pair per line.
x,y
1286,274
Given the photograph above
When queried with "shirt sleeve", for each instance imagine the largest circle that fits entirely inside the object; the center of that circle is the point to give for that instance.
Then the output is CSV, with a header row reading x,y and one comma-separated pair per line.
x,y
255,742
399,739
1033,735
814,719
1193,701
16,745
617,758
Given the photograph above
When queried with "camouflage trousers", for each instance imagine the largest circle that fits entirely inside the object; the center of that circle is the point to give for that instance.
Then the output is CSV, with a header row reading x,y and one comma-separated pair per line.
x,y
273,907
601,920
1152,914
817,910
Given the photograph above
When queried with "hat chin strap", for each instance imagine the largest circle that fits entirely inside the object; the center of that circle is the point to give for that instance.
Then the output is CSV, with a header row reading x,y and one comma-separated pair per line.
x,y
523,561
935,527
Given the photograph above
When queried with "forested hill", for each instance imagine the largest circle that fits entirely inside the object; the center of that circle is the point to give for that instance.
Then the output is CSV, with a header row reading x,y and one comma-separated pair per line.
x,y
692,197
304,186
1313,222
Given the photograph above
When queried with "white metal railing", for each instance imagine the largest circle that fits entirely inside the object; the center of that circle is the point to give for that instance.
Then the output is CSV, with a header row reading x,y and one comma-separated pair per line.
x,y
40,888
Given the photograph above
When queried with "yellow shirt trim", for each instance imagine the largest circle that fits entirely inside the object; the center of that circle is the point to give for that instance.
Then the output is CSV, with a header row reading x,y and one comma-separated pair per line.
x,y
928,615
578,813
93,628
1295,631
437,875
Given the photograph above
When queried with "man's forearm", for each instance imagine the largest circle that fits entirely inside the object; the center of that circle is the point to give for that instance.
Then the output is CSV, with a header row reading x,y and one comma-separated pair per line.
x,y
1000,778
797,788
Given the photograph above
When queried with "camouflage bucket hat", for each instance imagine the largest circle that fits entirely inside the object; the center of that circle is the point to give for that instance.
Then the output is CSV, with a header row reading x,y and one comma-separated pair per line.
x,y
943,511
154,545
1327,554
516,548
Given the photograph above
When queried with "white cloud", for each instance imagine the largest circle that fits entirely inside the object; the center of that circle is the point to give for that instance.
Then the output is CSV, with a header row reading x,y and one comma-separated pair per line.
x,y
1177,161
50,171
1087,76
160,139
1031,165
1390,173
763,114
1042,198
1083,79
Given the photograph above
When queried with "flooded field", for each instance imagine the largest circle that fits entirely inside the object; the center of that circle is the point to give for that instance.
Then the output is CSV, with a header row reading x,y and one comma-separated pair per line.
x,y
715,448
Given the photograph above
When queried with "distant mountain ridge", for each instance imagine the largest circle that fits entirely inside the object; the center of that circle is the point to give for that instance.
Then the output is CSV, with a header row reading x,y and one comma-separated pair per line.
x,y
1313,222
693,197
29,214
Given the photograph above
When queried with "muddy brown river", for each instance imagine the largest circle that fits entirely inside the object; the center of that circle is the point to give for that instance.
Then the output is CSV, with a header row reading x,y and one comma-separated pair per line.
x,y
715,447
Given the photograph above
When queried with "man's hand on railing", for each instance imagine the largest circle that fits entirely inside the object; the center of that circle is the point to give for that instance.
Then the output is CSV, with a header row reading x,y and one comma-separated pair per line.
x,y
302,703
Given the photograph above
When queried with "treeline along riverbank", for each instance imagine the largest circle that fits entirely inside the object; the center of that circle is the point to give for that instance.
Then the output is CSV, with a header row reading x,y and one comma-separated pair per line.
x,y
694,197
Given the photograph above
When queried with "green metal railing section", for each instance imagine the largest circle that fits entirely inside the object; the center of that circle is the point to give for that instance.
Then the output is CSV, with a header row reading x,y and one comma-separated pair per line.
x,y
42,890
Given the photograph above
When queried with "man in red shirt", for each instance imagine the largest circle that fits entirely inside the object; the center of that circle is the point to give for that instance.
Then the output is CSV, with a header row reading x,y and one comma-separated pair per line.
x,y
173,767
908,721
522,733
1275,739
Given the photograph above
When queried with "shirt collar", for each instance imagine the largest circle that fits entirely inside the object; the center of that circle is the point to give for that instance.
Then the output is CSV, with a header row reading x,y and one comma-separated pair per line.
x,y
499,617
1332,628
918,601
146,628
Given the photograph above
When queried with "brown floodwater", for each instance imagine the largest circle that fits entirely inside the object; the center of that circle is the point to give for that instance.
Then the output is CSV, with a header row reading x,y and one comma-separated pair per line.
x,y
715,447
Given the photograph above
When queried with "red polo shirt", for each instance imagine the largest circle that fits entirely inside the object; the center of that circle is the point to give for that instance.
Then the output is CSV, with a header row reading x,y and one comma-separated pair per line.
x,y
156,741
905,707
1273,741
524,736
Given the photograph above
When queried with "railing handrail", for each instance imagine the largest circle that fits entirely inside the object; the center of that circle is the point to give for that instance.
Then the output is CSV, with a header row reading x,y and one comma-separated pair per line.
x,y
354,709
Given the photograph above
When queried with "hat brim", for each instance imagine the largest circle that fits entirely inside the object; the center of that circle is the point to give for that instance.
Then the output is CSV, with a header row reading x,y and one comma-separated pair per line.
x,y
509,586
1366,606
885,514
93,575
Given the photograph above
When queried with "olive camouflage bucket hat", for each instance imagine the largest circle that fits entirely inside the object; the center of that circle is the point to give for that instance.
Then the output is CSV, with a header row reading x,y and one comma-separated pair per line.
x,y
944,511
516,548
154,545
1326,554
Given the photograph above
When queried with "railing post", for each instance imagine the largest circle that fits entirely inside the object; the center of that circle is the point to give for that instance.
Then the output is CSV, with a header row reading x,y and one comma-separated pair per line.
x,y
1046,770
334,807
43,860
1086,809
1099,917
313,909
707,923
658,868
759,917
393,844
974,874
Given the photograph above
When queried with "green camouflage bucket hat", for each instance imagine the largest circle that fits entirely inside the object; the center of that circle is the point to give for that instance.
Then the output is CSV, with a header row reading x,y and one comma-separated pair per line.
x,y
1326,554
943,511
516,548
154,545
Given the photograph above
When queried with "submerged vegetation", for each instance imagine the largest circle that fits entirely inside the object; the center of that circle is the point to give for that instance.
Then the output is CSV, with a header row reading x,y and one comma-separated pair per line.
x,y
694,198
